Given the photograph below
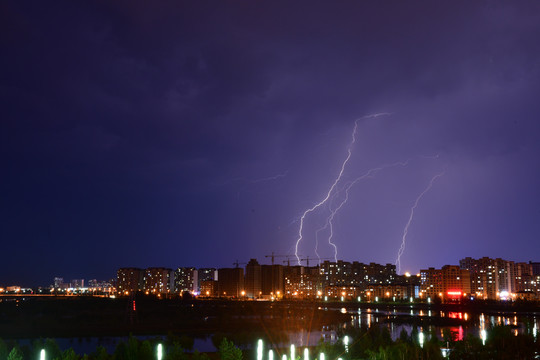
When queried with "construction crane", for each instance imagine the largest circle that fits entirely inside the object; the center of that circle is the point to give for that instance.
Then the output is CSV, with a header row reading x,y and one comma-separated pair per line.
x,y
272,256
307,259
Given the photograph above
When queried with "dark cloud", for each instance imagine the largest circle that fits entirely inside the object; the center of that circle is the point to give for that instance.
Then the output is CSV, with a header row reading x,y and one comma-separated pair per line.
x,y
122,121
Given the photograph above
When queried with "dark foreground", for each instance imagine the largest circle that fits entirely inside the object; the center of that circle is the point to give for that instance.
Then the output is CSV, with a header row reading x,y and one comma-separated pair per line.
x,y
373,343
88,316
178,321
93,316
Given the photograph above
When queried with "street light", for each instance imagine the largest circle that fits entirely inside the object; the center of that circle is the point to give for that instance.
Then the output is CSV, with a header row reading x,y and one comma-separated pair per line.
x,y
259,349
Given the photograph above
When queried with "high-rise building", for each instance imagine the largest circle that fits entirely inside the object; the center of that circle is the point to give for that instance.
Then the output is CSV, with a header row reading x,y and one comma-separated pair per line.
x,y
301,286
338,273
186,279
209,288
497,279
129,280
272,277
230,282
206,274
158,280
356,274
523,275
449,283
59,283
380,274
77,283
535,266
252,281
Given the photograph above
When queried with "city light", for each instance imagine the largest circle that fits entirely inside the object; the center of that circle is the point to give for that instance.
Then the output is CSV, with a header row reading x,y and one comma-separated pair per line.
x,y
259,349
306,354
42,354
293,357
346,343
270,354
159,352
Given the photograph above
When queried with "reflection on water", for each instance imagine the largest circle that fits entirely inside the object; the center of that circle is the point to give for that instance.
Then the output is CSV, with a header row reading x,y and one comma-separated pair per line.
x,y
475,324
394,319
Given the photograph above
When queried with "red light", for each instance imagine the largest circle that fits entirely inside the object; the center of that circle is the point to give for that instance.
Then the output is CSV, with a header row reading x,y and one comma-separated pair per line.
x,y
134,307
454,293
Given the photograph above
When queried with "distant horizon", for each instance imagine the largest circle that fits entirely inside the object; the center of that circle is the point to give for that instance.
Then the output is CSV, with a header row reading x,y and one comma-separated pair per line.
x,y
68,280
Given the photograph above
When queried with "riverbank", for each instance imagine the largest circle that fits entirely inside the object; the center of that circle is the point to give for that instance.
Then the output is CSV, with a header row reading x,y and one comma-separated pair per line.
x,y
93,316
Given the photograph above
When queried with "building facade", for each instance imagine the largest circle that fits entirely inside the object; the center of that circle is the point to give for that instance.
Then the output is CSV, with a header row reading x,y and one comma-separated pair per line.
x,y
158,280
231,282
272,278
450,283
186,279
252,280
129,280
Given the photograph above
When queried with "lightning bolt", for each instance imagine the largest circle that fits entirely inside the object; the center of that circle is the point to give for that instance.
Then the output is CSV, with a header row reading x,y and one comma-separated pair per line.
x,y
254,181
336,181
278,176
406,229
323,201
317,241
370,173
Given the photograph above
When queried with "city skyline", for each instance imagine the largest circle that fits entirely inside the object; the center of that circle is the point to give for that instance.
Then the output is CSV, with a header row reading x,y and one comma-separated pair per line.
x,y
270,261
473,279
184,133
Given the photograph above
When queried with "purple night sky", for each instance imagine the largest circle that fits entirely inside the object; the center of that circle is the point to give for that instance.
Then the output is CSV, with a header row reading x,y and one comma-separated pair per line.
x,y
195,133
